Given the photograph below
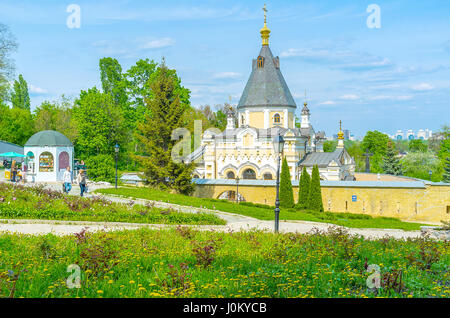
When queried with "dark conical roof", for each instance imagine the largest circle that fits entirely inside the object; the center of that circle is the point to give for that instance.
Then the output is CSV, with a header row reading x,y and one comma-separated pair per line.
x,y
49,138
266,85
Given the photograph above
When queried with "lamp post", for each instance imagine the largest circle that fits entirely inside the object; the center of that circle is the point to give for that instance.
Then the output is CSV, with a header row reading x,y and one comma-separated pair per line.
x,y
237,189
430,173
116,149
278,145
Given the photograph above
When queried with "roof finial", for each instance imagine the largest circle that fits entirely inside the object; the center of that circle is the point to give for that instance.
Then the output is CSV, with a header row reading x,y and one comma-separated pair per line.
x,y
340,134
265,30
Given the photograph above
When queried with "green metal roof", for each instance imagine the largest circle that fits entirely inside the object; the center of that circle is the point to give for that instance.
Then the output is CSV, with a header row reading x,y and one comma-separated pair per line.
x,y
48,138
266,85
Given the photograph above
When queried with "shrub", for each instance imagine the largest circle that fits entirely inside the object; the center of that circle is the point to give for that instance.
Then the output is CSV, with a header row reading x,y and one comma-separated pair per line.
x,y
315,193
101,168
176,281
303,189
286,192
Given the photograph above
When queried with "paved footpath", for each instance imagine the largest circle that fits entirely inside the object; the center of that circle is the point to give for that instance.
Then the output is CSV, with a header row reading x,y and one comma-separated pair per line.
x,y
235,222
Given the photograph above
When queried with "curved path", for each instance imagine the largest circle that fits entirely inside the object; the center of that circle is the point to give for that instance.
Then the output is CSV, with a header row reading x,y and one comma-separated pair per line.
x,y
235,222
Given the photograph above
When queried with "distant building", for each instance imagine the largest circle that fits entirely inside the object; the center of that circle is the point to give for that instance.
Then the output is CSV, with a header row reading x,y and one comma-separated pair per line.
x,y
399,135
410,134
423,134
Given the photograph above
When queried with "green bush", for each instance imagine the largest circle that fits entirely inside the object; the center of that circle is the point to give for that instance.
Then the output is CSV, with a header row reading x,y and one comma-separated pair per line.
x,y
303,189
286,192
315,194
101,168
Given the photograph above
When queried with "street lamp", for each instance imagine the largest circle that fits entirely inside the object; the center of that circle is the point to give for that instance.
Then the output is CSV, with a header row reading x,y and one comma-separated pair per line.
x,y
237,189
278,145
116,149
430,173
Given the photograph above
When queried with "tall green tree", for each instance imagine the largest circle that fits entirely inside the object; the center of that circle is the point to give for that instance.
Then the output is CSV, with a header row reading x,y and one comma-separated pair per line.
x,y
303,189
99,123
56,115
113,81
446,175
329,145
286,192
19,96
8,45
165,113
315,193
419,165
138,85
16,124
391,163
377,143
417,145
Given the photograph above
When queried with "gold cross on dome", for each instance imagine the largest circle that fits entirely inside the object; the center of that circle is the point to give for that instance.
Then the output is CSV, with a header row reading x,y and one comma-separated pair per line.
x,y
265,12
340,125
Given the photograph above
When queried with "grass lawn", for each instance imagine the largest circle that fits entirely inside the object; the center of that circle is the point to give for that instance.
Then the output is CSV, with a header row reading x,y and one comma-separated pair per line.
x,y
20,202
184,262
265,212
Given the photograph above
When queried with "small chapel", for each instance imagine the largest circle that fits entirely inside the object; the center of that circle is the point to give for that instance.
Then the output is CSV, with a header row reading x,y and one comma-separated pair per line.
x,y
267,109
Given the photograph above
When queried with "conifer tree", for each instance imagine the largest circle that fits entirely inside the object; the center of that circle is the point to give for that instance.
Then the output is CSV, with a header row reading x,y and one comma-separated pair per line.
x,y
446,176
303,189
286,192
391,164
19,96
315,193
164,114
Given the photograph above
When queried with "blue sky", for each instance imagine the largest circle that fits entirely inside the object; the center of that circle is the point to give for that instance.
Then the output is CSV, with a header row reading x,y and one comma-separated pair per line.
x,y
388,78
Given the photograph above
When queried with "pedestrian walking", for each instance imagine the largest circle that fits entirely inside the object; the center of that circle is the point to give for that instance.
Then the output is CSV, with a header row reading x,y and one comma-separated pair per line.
x,y
81,180
67,179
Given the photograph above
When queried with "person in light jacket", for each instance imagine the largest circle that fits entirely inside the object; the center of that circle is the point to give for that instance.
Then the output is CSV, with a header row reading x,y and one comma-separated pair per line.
x,y
67,179
81,180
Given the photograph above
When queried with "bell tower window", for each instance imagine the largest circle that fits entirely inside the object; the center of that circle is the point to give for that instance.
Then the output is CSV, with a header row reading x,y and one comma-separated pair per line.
x,y
276,119
260,62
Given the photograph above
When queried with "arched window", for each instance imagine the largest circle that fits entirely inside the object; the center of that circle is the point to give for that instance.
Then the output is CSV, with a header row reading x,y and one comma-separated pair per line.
x,y
242,120
46,163
30,155
195,176
64,160
277,119
260,61
267,176
230,175
249,174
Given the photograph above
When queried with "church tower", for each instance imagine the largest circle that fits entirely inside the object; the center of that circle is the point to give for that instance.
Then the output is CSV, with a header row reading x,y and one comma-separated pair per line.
x,y
305,123
266,101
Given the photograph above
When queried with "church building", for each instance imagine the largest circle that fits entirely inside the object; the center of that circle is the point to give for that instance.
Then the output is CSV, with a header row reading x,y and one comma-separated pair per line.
x,y
267,109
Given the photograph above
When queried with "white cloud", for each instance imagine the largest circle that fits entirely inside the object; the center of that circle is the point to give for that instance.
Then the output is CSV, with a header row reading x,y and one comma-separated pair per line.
x,y
328,102
157,44
423,87
133,47
339,57
349,97
36,90
389,97
227,75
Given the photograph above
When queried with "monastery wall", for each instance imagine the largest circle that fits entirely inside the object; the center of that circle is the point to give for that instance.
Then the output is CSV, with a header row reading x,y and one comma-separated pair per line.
x,y
409,200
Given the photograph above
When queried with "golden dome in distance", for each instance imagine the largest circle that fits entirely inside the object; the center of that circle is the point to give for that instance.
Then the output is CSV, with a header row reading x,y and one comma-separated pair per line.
x,y
340,133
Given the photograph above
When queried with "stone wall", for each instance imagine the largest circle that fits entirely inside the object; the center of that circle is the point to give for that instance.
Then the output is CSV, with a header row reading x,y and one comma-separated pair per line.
x,y
411,201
